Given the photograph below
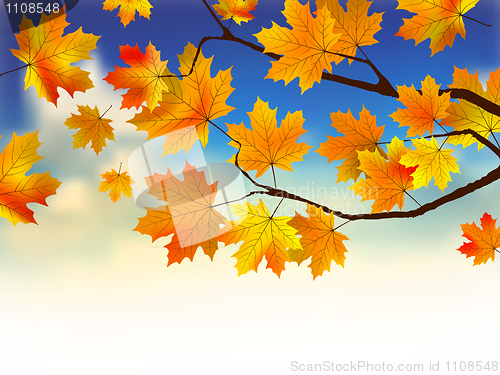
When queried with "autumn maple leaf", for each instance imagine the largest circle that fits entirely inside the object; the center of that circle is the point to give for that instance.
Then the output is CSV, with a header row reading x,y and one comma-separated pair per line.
x,y
355,26
16,188
263,234
319,240
388,181
49,55
92,128
484,241
465,115
189,105
266,145
307,49
359,135
423,109
237,10
143,79
117,183
432,161
128,9
437,20
189,215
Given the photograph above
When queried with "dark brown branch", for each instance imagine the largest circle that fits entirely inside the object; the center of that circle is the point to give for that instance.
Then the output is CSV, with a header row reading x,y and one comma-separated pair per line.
x,y
458,193
474,99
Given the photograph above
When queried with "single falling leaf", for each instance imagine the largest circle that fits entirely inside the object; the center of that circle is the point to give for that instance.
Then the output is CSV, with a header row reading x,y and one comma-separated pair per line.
x,y
389,180
143,79
92,128
128,9
263,235
266,145
49,55
190,214
484,241
307,48
192,101
117,184
18,189
465,115
357,28
432,161
437,20
423,109
319,240
359,135
237,10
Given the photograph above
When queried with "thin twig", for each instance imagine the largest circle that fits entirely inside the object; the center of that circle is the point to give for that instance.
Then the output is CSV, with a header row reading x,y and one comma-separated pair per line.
x,y
13,70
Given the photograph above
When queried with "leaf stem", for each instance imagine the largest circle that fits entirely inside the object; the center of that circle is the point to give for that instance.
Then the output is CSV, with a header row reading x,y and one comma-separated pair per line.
x,y
120,170
274,175
106,111
472,19
276,209
13,70
341,225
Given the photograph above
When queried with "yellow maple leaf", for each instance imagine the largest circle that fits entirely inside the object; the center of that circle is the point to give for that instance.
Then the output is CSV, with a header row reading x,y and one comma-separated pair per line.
x,y
359,135
128,9
424,110
307,48
143,79
49,55
465,115
357,28
16,188
437,20
190,214
191,102
92,128
117,184
262,235
388,181
319,240
432,161
237,10
266,145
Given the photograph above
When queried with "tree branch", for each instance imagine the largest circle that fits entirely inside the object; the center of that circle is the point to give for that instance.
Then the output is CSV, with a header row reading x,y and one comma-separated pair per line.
x,y
492,176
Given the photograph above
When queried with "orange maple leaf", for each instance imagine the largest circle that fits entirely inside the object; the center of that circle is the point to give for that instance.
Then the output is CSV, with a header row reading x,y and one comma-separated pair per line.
x,y
307,49
128,9
263,234
117,184
16,188
143,79
189,215
465,115
359,135
485,240
237,10
266,145
191,103
49,55
388,181
357,28
437,20
424,109
319,240
92,128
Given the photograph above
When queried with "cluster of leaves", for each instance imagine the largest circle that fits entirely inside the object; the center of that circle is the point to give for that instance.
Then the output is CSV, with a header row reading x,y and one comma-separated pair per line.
x,y
184,106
